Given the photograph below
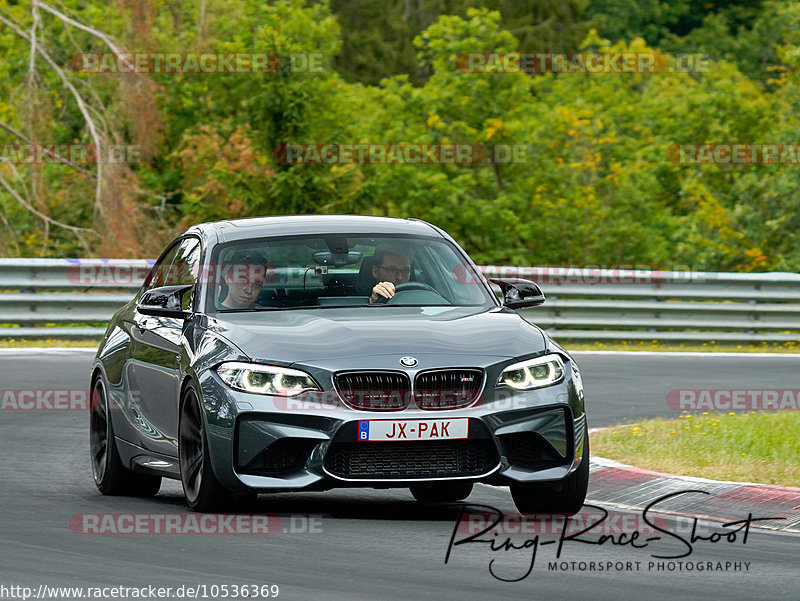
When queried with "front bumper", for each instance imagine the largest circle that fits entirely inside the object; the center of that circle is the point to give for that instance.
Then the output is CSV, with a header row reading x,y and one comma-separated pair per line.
x,y
267,443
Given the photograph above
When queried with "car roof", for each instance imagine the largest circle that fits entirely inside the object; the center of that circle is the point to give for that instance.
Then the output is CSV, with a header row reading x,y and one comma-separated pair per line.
x,y
287,225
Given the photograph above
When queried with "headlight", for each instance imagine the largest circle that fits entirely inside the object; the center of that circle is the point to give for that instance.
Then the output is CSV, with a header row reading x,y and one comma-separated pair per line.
x,y
265,379
535,373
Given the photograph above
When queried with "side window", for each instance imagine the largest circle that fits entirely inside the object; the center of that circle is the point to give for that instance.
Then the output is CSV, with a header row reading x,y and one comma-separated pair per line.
x,y
159,273
185,264
184,268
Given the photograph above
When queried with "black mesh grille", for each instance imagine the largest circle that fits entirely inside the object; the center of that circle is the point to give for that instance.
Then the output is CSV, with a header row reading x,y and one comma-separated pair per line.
x,y
447,388
284,455
348,458
403,460
375,390
528,449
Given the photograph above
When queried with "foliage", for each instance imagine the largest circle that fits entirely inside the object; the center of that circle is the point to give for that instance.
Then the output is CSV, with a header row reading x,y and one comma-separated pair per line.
x,y
595,185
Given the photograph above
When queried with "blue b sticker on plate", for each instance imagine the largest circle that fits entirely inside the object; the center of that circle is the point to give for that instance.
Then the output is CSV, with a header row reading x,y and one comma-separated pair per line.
x,y
363,430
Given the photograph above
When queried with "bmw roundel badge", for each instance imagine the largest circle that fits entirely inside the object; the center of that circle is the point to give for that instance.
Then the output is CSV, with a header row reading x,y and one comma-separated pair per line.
x,y
408,361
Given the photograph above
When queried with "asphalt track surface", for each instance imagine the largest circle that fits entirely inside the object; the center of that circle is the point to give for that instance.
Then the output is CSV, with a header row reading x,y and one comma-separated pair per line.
x,y
367,544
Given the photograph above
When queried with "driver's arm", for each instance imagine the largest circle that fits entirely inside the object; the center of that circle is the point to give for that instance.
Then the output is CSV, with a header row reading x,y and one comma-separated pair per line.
x,y
384,289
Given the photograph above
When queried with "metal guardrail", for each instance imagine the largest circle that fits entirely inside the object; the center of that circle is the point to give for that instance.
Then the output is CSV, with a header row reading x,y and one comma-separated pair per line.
x,y
73,298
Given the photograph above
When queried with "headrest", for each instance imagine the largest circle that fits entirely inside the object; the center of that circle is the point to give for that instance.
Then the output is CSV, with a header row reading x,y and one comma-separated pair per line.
x,y
366,281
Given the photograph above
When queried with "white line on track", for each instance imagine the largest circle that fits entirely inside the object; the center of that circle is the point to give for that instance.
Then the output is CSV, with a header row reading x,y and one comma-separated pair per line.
x,y
57,349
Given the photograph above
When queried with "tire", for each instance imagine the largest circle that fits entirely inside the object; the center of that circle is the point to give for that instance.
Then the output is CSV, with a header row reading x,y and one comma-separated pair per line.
x,y
110,476
566,497
441,492
201,488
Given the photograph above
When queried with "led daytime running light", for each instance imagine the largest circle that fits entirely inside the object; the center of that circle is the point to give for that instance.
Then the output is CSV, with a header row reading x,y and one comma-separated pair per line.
x,y
266,379
536,373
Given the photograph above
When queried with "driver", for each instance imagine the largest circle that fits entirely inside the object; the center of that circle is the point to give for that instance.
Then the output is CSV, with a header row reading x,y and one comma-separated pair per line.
x,y
243,275
391,266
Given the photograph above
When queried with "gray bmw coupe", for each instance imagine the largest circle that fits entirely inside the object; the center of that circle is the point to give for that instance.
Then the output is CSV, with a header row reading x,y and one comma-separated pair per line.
x,y
308,353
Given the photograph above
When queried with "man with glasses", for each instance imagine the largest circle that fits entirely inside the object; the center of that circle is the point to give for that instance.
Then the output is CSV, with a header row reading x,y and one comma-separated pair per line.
x,y
391,265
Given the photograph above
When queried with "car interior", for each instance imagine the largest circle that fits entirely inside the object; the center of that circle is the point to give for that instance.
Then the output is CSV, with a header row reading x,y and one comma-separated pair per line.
x,y
340,274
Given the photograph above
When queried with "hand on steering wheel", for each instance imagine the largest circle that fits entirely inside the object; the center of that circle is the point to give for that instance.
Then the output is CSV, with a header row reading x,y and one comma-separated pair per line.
x,y
406,286
381,293
384,292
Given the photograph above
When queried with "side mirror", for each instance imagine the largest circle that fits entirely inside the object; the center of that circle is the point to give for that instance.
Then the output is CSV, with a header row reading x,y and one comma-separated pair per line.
x,y
518,293
165,301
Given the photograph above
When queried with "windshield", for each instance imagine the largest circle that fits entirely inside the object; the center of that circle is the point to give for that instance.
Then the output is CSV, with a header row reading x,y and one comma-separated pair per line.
x,y
324,271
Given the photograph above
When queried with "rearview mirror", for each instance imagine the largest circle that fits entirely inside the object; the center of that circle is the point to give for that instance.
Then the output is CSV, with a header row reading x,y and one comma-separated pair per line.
x,y
519,293
326,257
165,301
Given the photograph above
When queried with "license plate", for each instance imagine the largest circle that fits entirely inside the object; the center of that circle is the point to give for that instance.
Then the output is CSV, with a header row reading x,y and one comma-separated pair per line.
x,y
413,429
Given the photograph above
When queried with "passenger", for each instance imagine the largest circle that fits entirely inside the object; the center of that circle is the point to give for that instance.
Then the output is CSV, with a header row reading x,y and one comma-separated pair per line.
x,y
243,276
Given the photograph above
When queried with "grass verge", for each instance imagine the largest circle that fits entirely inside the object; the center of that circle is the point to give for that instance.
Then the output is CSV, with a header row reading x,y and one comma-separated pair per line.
x,y
48,343
744,447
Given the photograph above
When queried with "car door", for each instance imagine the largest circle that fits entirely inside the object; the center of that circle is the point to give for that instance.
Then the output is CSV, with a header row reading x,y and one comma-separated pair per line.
x,y
156,353
134,325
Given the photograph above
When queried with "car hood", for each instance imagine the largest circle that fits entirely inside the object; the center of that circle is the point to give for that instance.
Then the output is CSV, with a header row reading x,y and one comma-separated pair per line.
x,y
303,336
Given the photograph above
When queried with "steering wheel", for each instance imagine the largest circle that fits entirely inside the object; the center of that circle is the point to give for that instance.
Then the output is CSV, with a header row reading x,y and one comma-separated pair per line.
x,y
408,286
